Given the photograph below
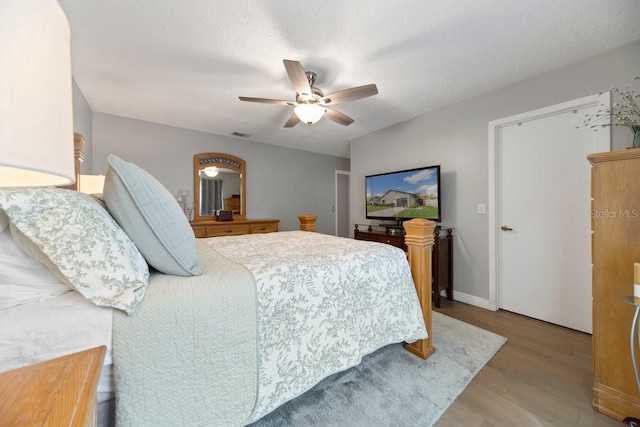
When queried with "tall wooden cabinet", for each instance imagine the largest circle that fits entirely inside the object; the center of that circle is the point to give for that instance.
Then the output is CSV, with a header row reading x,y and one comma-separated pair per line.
x,y
615,221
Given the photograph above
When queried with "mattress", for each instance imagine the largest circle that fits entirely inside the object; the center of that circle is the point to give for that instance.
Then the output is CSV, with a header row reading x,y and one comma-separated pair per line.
x,y
44,330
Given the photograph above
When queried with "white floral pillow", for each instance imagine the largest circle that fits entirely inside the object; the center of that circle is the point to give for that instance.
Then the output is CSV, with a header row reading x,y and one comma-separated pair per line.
x,y
74,235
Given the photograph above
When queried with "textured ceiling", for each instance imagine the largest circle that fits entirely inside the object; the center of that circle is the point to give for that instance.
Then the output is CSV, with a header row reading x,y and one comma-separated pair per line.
x,y
185,62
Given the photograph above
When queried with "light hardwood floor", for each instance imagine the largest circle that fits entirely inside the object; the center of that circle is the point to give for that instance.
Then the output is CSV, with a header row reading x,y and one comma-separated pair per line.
x,y
541,377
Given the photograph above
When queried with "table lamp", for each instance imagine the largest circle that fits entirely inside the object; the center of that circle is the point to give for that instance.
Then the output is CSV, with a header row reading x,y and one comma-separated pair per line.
x,y
36,110
91,184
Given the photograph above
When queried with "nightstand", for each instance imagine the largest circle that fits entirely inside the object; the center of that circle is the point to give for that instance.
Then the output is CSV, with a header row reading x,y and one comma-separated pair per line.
x,y
58,392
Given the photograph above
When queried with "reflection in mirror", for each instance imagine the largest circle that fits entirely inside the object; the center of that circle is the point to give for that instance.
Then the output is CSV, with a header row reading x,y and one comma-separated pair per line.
x,y
219,191
218,185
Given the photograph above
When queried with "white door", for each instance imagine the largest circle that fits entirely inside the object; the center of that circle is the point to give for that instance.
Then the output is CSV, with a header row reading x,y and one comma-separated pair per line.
x,y
543,222
342,204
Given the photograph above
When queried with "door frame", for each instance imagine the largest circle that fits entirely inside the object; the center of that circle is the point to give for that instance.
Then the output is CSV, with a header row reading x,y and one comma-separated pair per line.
x,y
602,100
336,203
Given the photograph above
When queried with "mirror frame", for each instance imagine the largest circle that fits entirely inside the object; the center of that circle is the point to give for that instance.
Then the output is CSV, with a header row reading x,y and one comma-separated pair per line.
x,y
221,160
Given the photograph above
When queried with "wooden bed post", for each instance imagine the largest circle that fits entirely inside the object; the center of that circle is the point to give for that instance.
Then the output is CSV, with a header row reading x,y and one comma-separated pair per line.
x,y
78,152
419,241
307,222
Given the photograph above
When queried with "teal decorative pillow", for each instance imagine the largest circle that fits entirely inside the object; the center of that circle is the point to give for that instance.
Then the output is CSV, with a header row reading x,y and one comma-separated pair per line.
x,y
150,215
76,238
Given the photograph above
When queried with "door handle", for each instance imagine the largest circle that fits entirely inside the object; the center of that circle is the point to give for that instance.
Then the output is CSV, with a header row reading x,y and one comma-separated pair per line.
x,y
506,228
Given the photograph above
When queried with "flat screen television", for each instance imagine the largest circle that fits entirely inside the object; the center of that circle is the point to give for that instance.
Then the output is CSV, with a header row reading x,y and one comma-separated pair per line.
x,y
403,195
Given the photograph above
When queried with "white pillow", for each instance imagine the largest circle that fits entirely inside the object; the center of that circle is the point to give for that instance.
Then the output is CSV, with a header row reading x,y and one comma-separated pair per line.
x,y
76,238
23,280
150,215
4,221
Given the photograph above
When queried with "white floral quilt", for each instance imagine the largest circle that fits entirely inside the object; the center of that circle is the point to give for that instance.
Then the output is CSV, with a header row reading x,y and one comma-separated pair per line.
x,y
323,303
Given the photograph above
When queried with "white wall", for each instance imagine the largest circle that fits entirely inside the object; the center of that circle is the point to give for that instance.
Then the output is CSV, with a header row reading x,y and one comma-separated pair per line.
x,y
281,182
456,137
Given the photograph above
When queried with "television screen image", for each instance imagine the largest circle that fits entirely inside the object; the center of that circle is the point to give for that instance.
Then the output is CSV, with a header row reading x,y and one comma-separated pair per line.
x,y
402,195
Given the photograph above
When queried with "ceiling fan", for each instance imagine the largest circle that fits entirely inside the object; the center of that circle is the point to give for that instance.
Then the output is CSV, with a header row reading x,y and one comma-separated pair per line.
x,y
311,104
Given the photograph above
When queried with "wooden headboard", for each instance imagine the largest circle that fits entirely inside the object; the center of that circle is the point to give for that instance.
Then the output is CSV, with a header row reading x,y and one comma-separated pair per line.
x,y
78,153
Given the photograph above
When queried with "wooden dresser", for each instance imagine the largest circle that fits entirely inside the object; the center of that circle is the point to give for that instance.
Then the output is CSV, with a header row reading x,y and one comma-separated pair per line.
x,y
615,221
235,227
58,392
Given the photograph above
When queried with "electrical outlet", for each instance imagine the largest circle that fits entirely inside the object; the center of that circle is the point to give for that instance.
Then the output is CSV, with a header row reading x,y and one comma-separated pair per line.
x,y
482,209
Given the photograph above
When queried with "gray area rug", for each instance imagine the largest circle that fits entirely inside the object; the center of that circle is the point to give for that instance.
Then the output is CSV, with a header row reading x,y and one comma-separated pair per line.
x,y
392,387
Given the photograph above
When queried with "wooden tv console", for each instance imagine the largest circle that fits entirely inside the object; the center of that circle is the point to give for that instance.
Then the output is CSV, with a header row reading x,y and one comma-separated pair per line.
x,y
441,256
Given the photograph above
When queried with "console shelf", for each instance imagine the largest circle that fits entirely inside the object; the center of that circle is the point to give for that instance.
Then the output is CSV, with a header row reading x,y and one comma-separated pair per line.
x,y
441,256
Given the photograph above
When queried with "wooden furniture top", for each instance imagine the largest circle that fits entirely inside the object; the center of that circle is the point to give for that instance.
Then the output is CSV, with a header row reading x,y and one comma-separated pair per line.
x,y
58,392
608,156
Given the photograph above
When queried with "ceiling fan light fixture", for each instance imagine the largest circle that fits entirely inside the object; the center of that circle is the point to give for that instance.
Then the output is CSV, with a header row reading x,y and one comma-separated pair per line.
x,y
310,101
309,113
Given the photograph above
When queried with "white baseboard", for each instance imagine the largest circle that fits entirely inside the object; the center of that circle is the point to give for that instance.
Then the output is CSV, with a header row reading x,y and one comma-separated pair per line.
x,y
472,299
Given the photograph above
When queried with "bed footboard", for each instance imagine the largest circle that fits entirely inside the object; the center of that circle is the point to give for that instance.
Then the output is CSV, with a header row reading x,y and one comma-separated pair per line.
x,y
419,241
307,222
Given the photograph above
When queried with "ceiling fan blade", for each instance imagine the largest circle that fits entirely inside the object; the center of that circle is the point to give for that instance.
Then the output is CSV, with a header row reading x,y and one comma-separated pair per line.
x,y
350,94
298,77
293,120
338,117
267,100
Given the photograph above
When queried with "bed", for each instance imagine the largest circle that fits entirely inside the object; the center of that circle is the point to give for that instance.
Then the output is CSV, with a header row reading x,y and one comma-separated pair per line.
x,y
217,331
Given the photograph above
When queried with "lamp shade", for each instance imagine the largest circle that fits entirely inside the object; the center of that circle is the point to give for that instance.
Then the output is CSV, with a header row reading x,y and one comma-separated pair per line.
x,y
309,113
36,111
91,184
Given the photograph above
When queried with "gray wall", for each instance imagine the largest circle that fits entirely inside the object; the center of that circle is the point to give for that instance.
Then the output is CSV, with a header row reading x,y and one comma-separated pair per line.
x,y
281,182
82,123
456,137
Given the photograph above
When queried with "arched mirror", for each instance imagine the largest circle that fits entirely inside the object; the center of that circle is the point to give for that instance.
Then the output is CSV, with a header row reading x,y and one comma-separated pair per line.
x,y
218,184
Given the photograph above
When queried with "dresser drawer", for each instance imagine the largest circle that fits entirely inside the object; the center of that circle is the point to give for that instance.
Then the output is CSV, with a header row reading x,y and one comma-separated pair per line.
x,y
368,236
228,230
234,228
199,231
389,239
264,228
397,241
